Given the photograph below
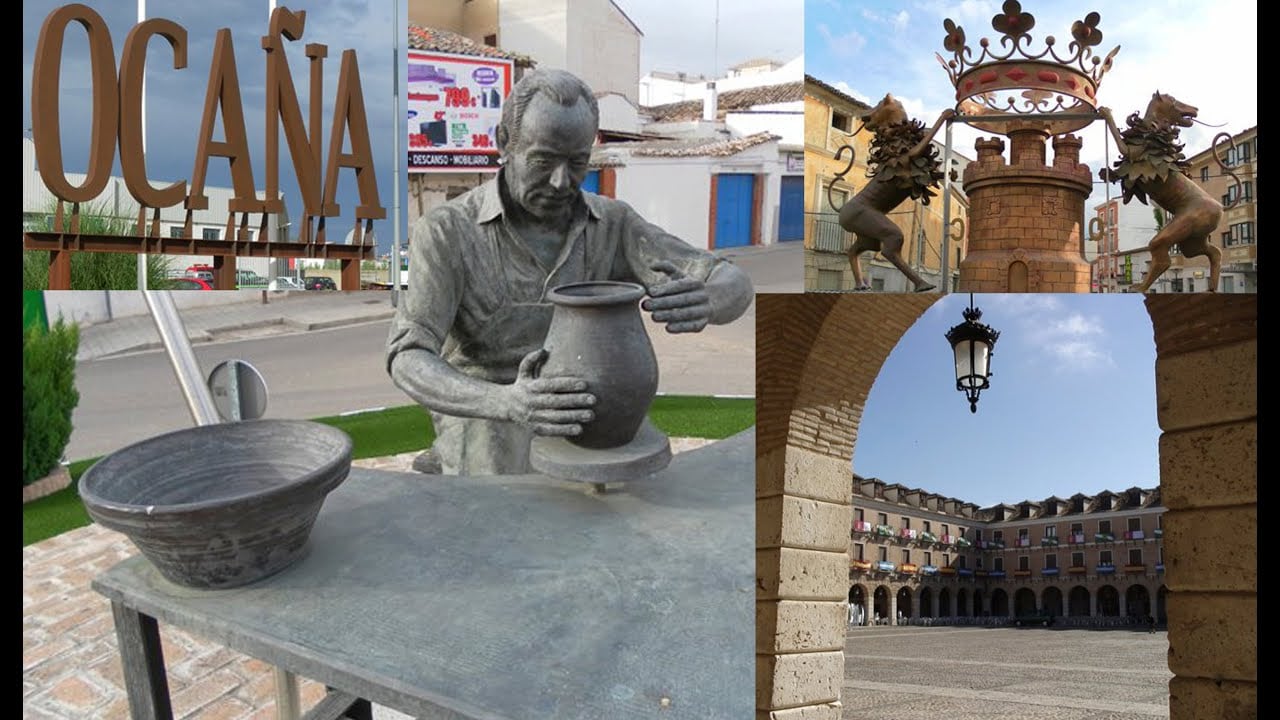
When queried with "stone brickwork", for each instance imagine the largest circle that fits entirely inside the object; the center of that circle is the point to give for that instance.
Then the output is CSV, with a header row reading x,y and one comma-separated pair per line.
x,y
1207,408
817,356
1025,216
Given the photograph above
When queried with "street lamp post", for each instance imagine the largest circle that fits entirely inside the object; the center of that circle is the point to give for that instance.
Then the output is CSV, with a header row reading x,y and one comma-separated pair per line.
x,y
972,343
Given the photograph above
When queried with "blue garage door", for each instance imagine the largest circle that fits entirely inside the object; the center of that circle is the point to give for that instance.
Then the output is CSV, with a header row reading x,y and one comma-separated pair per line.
x,y
733,209
592,182
791,211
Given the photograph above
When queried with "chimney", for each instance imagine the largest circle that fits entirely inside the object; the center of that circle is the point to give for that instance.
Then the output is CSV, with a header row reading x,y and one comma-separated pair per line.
x,y
709,102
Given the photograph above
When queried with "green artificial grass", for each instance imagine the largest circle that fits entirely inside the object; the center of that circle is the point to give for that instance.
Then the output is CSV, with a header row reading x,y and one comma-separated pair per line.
x,y
405,429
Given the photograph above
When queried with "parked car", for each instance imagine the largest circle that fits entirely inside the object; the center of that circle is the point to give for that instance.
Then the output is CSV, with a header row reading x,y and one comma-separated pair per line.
x,y
285,283
202,275
250,279
319,282
189,283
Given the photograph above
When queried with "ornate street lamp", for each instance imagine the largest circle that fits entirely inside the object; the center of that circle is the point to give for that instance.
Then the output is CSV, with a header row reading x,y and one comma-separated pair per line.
x,y
972,342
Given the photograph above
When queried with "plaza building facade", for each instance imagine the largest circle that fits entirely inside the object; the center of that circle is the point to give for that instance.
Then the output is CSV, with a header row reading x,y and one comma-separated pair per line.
x,y
1089,560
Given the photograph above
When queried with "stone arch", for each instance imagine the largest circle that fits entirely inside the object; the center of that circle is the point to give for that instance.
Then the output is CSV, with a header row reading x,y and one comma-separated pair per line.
x,y
978,607
962,603
1024,601
999,603
944,602
1051,601
880,603
1078,601
857,594
1137,601
904,602
1018,282
1108,601
926,602
817,356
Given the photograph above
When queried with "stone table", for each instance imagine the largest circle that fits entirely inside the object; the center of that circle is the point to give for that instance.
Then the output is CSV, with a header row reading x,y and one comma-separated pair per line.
x,y
497,597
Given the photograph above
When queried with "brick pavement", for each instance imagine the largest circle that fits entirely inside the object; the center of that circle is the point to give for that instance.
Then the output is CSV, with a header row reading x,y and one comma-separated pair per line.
x,y
925,673
70,667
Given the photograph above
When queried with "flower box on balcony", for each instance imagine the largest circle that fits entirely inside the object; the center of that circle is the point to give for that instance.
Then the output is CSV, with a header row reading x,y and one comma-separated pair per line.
x,y
1049,541
1050,571
1104,537
928,537
946,571
907,534
1075,539
862,565
862,526
908,569
947,539
884,530
1022,573
1134,535
885,566
1159,532
1077,570
1105,569
980,573
964,572
1135,568
928,569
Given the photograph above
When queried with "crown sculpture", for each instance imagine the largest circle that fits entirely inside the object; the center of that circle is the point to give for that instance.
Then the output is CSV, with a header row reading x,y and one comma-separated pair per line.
x,y
1024,213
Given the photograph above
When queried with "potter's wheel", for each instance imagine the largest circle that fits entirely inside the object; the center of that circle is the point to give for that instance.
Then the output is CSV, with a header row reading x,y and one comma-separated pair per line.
x,y
647,453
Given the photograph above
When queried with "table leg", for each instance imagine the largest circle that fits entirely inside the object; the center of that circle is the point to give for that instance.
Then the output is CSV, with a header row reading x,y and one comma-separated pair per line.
x,y
145,682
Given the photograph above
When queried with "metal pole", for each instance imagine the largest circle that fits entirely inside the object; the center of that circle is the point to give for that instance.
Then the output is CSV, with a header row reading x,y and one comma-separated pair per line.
x,y
1106,232
946,213
174,337
142,257
398,124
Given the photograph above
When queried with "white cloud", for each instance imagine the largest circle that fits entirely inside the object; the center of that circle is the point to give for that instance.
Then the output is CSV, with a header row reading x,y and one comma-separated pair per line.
x,y
843,87
1074,342
845,46
901,20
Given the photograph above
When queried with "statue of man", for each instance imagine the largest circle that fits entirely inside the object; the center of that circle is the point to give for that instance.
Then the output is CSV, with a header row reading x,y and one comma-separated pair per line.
x,y
467,338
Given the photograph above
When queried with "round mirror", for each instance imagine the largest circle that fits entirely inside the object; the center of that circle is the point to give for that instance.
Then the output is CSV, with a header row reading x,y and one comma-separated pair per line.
x,y
239,392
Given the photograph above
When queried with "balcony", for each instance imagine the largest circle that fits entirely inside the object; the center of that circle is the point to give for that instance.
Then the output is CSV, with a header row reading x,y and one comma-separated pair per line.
x,y
1104,537
1022,542
828,236
907,534
947,540
861,565
1049,541
1159,567
982,573
861,526
1158,532
964,572
963,543
908,569
1105,569
995,544
1077,570
928,569
1050,572
1075,538
1138,569
946,571
1022,573
928,537
1134,535
883,530
885,566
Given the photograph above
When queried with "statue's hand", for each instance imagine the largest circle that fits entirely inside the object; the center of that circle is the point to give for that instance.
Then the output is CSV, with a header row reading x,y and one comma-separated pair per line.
x,y
548,405
681,302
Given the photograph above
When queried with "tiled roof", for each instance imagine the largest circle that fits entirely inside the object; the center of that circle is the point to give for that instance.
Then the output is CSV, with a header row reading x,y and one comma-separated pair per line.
x,y
728,101
856,103
425,38
691,147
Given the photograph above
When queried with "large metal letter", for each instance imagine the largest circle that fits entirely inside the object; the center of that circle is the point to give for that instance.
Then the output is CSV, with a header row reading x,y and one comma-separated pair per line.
x,y
348,111
283,110
133,63
224,92
45,127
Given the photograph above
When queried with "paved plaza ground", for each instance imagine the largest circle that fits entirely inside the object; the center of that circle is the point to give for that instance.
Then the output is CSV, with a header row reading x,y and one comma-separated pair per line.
x,y
964,673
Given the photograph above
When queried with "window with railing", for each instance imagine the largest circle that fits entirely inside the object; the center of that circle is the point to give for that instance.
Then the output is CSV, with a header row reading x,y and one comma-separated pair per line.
x,y
1104,557
945,529
1135,556
927,526
906,556
857,515
946,559
906,523
962,561
928,558
884,554
997,535
1077,559
828,236
1024,562
882,518
858,550
1104,526
1051,531
1135,523
1051,560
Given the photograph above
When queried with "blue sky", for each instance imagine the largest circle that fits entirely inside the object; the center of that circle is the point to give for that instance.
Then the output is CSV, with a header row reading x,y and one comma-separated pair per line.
x,y
871,47
1071,407
175,98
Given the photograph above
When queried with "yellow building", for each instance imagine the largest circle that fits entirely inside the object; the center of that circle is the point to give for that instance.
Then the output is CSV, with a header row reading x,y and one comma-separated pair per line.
x,y
830,116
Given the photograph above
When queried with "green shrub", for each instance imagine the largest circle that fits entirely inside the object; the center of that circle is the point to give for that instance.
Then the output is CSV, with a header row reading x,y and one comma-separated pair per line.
x,y
48,396
95,270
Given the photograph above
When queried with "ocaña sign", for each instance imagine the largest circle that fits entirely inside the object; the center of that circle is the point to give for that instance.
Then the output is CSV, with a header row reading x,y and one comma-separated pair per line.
x,y
117,119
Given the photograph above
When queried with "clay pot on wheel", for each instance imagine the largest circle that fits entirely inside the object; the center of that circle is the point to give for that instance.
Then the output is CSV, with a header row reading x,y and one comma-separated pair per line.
x,y
597,334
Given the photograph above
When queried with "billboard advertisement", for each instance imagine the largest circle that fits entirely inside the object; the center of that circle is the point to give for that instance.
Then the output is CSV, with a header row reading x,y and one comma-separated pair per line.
x,y
455,103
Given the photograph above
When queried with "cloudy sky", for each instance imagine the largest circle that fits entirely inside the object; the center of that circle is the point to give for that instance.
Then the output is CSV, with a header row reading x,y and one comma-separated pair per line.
x,y
1071,407
680,35
175,98
1205,54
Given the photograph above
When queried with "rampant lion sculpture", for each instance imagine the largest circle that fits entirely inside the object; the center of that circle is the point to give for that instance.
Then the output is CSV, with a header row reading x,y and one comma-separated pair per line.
x,y
1152,166
903,164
